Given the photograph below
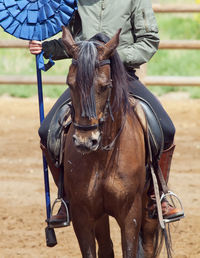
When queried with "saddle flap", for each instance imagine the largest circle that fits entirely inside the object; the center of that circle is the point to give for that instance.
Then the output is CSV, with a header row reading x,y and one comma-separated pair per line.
x,y
140,115
59,123
154,128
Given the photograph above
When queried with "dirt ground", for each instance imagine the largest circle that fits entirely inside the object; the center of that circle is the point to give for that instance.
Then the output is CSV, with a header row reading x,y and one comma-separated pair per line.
x,y
22,201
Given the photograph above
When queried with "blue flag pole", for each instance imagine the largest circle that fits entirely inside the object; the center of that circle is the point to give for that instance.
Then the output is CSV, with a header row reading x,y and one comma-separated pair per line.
x,y
38,20
50,234
45,167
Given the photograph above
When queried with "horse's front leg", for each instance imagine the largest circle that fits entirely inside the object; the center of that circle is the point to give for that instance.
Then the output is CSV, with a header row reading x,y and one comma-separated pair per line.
x,y
130,224
102,233
85,233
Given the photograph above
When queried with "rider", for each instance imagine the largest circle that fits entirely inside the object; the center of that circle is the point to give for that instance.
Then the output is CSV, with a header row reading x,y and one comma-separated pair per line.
x,y
139,41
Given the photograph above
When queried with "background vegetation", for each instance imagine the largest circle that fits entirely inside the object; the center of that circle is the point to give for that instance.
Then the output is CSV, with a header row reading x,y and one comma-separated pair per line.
x,y
165,62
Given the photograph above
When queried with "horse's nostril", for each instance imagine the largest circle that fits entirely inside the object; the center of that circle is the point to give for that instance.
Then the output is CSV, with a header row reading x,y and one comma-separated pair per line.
x,y
74,138
94,142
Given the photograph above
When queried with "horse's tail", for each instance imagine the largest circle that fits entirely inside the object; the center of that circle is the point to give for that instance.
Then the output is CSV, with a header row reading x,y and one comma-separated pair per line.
x,y
162,236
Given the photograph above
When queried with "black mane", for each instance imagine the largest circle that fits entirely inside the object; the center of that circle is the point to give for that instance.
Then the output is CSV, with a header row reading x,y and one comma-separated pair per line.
x,y
86,63
87,60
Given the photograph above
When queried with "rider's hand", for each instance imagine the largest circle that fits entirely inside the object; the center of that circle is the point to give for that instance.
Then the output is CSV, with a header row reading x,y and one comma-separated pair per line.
x,y
35,47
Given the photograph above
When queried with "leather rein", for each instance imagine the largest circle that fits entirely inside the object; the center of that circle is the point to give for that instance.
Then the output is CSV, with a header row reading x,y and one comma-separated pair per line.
x,y
107,109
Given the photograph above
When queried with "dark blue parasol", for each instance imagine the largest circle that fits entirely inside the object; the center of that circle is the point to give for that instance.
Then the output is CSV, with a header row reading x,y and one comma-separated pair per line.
x,y
37,20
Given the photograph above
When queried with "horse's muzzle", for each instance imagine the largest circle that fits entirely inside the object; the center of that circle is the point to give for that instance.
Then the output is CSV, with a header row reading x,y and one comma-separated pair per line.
x,y
87,144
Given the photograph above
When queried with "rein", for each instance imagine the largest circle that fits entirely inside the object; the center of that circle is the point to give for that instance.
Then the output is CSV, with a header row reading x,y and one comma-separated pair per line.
x,y
111,145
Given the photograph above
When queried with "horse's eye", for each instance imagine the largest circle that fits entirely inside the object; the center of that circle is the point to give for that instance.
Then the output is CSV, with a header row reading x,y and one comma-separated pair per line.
x,y
70,86
103,88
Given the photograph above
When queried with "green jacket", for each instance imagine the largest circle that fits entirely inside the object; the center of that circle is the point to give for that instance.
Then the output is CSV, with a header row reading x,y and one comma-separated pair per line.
x,y
139,37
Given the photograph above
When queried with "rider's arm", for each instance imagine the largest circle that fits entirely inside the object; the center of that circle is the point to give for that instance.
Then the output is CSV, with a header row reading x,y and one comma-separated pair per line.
x,y
52,48
146,39
55,49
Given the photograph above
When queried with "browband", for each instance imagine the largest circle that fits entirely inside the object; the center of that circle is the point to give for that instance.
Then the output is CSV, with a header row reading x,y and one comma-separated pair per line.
x,y
98,63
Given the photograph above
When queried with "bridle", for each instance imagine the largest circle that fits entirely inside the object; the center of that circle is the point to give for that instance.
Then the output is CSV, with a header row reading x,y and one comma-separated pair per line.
x,y
107,109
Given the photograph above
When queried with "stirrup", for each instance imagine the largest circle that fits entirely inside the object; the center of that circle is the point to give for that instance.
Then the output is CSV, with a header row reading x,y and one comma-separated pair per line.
x,y
67,222
173,201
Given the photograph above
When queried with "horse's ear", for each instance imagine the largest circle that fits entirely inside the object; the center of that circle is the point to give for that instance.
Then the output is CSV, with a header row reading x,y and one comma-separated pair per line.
x,y
110,46
69,43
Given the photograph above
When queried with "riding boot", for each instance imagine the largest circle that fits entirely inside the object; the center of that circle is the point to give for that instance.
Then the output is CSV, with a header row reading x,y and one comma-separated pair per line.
x,y
165,162
58,220
169,212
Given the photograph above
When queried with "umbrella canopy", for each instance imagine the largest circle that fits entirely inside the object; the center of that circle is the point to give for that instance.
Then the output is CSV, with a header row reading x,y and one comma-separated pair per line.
x,y
35,19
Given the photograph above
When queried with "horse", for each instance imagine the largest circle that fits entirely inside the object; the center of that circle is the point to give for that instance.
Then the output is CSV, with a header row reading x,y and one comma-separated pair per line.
x,y
104,154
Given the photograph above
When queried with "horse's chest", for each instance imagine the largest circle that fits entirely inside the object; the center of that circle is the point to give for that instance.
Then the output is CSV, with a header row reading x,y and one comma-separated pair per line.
x,y
101,184
117,186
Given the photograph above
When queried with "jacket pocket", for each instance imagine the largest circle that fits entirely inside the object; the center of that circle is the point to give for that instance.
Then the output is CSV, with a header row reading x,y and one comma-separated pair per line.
x,y
138,21
149,21
145,20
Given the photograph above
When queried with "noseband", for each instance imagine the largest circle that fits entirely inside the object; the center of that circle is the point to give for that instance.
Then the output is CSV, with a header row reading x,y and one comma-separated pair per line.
x,y
107,106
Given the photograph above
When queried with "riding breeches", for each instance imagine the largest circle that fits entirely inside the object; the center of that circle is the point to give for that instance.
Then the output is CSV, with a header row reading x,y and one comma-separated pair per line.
x,y
136,88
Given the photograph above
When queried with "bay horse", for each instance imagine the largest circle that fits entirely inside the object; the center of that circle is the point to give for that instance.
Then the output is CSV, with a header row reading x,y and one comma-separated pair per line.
x,y
104,157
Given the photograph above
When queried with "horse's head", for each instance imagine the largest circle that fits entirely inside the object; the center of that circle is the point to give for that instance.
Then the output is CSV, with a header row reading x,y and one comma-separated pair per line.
x,y
90,83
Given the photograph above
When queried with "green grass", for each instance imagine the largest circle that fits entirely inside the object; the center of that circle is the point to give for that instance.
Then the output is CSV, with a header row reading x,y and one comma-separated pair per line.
x,y
21,62
164,62
176,62
24,91
178,26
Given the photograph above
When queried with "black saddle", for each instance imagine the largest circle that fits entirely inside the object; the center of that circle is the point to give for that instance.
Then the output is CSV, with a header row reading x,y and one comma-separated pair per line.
x,y
60,123
155,131
56,127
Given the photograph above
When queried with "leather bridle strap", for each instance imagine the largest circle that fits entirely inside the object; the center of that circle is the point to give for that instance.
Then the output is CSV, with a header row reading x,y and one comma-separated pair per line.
x,y
111,145
95,126
98,63
85,127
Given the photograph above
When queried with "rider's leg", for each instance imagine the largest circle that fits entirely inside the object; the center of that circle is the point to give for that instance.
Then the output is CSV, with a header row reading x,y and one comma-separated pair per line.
x,y
43,130
60,218
165,164
137,88
169,212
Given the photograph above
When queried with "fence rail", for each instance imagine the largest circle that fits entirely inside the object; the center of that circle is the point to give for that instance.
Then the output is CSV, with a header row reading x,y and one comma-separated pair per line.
x,y
148,80
172,80
30,80
16,43
164,44
175,8
61,80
